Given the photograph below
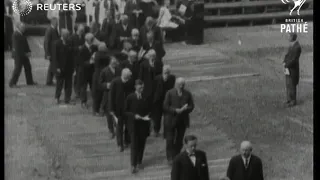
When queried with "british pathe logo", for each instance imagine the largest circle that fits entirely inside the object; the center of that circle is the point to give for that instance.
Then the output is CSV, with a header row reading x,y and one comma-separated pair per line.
x,y
22,7
297,4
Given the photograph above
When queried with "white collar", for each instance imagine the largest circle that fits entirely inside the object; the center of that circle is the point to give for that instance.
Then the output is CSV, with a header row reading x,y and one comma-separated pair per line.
x,y
244,159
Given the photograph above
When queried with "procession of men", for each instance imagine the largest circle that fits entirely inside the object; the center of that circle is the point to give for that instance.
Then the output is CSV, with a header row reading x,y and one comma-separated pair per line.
x,y
118,56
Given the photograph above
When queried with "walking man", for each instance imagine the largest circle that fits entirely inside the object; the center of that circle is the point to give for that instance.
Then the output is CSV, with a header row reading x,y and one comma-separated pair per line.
x,y
21,54
291,68
190,164
50,37
137,112
178,104
64,66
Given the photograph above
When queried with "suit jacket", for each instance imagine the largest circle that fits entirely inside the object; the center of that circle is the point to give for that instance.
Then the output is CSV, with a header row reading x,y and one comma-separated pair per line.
x,y
50,37
84,55
134,68
161,88
113,6
130,6
183,168
157,34
121,32
147,74
62,56
141,107
291,61
237,171
117,97
172,102
20,46
107,30
106,76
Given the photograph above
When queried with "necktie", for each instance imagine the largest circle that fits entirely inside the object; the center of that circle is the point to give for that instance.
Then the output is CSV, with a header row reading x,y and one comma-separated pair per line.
x,y
247,163
139,96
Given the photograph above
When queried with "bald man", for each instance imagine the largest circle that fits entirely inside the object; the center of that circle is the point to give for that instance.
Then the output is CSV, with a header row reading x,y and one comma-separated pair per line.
x,y
177,106
64,66
245,166
101,60
21,53
117,95
50,37
86,67
163,83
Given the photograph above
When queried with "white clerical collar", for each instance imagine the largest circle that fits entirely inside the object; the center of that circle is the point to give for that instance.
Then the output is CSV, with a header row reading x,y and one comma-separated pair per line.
x,y
244,159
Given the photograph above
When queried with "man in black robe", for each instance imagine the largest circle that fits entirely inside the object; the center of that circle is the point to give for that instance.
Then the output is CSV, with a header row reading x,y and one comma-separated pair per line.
x,y
64,66
117,97
135,40
101,60
132,64
106,29
163,83
137,111
108,74
122,32
150,25
132,9
50,37
65,18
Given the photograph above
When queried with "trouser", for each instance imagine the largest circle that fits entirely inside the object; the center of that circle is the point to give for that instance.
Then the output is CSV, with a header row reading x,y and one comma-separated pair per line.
x,y
18,64
291,88
174,140
64,80
76,83
85,76
138,144
122,132
50,73
157,117
110,122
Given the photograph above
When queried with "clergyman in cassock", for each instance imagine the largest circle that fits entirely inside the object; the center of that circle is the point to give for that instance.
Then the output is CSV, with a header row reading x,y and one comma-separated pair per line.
x,y
21,54
132,9
107,29
291,66
137,111
177,106
123,31
190,164
77,41
163,83
135,40
50,37
86,67
101,60
64,66
132,64
117,96
106,76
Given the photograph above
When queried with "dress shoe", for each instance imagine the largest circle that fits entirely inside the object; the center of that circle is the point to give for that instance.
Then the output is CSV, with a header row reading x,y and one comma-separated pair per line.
x,y
13,86
33,84
68,102
134,170
58,101
50,84
139,166
112,136
84,105
291,104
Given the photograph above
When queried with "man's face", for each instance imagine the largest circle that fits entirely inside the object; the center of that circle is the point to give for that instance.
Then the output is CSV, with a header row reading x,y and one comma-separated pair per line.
x,y
180,86
139,88
55,24
135,36
124,21
65,36
126,78
132,57
81,30
150,37
165,75
113,63
246,151
191,146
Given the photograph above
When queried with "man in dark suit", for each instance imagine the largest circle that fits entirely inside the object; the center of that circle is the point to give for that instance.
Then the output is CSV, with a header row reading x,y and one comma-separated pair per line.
x,y
157,46
177,106
123,31
107,28
245,166
190,164
135,40
106,76
21,54
117,96
111,6
150,25
50,37
101,60
132,64
77,41
65,17
291,65
86,67
64,66
163,83
132,9
147,74
137,112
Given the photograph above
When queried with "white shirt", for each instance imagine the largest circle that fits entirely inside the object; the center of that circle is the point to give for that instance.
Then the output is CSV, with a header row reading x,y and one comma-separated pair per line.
x,y
244,161
125,27
192,158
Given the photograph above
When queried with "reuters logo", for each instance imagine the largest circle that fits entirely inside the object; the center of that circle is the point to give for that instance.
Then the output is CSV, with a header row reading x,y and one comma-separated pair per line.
x,y
22,7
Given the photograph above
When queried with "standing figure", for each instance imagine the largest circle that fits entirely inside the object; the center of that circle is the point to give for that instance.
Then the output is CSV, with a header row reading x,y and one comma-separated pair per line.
x,y
111,6
245,166
150,25
106,29
291,65
89,11
132,64
101,60
163,83
190,164
178,104
50,37
8,31
77,41
66,18
21,54
55,12
106,76
132,9
86,68
135,40
137,111
64,66
123,31
117,96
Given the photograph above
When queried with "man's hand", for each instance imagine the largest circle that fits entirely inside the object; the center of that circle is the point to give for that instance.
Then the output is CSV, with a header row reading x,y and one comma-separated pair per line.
x,y
185,107
137,116
58,70
178,111
108,85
